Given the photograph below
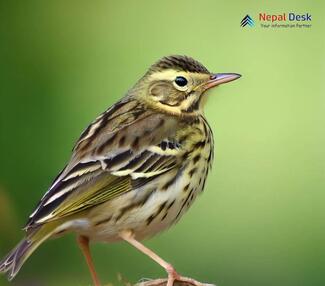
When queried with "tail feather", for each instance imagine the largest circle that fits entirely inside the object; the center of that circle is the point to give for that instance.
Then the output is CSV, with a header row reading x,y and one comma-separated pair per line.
x,y
15,259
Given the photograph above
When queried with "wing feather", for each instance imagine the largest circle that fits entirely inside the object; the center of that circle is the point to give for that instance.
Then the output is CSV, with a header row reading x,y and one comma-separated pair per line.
x,y
123,148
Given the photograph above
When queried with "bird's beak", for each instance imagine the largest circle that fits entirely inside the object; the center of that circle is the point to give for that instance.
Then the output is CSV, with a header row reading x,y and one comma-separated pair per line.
x,y
220,78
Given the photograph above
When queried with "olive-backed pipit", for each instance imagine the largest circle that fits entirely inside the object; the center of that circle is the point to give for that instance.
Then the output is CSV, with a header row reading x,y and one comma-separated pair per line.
x,y
135,170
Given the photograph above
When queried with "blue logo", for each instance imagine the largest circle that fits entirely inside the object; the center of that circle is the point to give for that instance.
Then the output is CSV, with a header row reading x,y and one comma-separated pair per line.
x,y
247,20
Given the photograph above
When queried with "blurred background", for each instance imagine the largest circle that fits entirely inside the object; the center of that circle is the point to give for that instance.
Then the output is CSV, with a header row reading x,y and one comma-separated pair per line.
x,y
261,218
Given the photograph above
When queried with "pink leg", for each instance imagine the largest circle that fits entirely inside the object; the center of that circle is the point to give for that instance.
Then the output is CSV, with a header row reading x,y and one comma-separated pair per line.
x,y
83,243
172,274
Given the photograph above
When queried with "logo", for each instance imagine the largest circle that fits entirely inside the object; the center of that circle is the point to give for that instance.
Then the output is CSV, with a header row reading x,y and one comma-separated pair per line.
x,y
247,20
278,20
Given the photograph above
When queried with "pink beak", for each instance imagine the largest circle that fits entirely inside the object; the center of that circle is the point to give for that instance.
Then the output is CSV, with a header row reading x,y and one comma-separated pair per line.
x,y
220,78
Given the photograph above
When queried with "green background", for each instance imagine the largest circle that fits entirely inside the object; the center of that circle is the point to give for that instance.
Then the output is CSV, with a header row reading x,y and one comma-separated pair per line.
x,y
261,218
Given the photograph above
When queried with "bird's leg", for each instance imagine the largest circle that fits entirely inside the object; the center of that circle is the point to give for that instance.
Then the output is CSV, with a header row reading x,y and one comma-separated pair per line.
x,y
83,243
172,274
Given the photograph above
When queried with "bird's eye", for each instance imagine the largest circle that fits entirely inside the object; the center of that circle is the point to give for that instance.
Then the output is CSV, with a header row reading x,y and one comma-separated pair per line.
x,y
181,81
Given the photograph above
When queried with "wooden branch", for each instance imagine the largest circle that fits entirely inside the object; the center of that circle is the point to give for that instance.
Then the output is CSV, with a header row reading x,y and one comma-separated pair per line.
x,y
163,282
184,281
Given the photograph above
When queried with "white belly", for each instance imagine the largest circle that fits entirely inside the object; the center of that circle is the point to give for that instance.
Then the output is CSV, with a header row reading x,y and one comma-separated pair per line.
x,y
161,209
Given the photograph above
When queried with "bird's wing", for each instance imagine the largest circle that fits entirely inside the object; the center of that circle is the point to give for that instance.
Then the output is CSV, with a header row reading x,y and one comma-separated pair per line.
x,y
123,148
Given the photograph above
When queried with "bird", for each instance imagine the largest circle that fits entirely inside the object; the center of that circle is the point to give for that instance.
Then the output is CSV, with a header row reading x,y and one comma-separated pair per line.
x,y
135,170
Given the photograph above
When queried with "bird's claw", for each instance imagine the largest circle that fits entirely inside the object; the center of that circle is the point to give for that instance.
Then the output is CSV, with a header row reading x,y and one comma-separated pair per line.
x,y
180,281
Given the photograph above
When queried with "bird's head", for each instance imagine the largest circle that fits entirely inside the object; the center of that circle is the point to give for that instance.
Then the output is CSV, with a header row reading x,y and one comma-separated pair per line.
x,y
177,85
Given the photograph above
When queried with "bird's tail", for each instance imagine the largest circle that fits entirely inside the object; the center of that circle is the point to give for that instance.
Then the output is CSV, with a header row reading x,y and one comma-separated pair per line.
x,y
15,259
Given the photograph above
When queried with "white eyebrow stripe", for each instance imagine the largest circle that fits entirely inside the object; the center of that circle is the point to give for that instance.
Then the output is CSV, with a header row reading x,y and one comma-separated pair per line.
x,y
168,74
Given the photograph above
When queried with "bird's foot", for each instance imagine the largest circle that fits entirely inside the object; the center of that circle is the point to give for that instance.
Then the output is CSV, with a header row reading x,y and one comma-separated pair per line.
x,y
179,281
172,275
